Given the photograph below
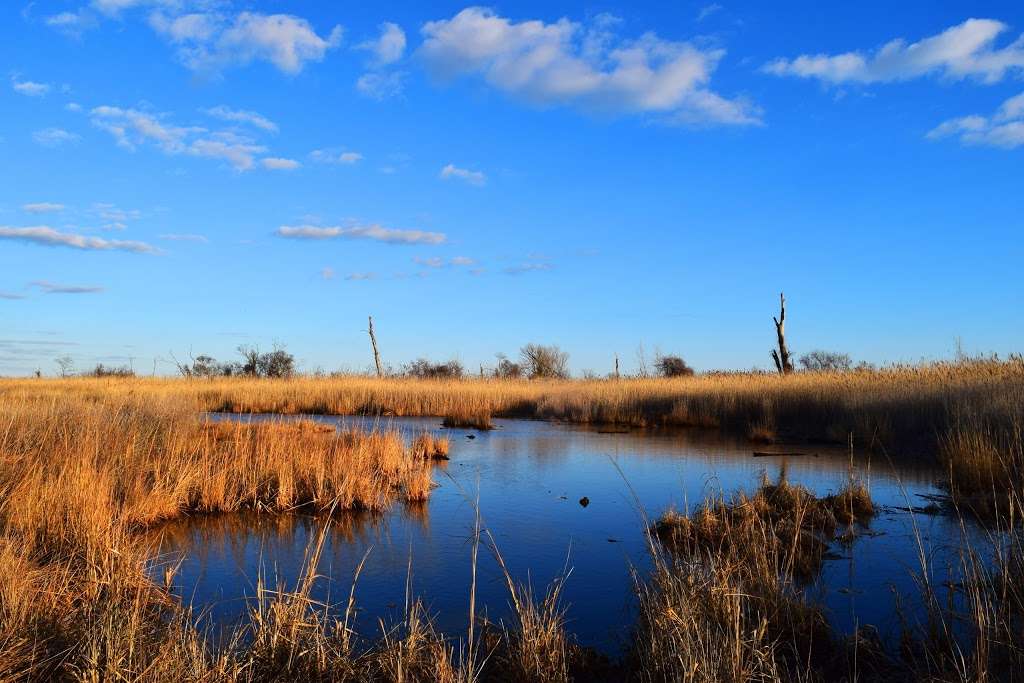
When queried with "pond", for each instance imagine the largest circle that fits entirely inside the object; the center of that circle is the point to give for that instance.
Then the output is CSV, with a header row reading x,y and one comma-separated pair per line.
x,y
530,478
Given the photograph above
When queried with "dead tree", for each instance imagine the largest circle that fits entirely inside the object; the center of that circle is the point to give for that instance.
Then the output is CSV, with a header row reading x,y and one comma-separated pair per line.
x,y
376,353
616,366
783,363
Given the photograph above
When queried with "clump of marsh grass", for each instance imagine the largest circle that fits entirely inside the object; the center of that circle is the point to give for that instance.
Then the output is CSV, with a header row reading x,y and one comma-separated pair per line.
x,y
985,467
468,419
431,447
801,525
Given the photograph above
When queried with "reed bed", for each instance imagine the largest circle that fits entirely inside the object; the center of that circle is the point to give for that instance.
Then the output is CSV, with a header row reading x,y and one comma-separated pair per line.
x,y
88,465
907,410
431,447
802,525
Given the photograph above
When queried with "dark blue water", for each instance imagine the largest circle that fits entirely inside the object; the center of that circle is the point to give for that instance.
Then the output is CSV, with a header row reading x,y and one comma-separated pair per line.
x,y
529,478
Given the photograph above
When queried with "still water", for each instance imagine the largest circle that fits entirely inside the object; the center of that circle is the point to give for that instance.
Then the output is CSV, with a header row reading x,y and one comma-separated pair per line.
x,y
529,478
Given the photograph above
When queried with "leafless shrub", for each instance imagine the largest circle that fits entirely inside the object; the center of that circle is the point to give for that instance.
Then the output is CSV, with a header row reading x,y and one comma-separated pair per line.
x,y
545,362
422,368
826,361
506,369
672,366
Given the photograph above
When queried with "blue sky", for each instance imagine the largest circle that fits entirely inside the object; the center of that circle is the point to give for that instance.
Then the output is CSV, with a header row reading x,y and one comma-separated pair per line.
x,y
199,174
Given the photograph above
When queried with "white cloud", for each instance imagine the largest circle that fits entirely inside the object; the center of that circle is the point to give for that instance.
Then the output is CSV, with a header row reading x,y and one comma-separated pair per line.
x,y
279,164
963,51
381,85
183,237
327,273
471,177
438,262
334,156
210,41
584,65
115,7
111,212
369,232
379,82
131,128
46,235
522,268
53,288
432,262
42,207
30,88
707,10
72,23
241,116
388,47
1003,129
54,137
73,106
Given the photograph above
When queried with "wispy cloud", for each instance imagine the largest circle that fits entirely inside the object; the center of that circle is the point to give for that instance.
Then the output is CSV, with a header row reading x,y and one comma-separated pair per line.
x,y
382,82
368,232
9,296
72,23
54,137
42,207
327,273
707,10
361,276
335,156
183,237
53,288
1004,128
471,177
381,85
112,212
439,262
963,51
47,236
131,128
279,164
522,268
241,116
432,262
29,88
388,47
211,41
585,65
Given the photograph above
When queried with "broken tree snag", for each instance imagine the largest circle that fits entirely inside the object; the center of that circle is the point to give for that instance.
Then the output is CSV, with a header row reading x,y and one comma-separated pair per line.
x,y
783,363
376,354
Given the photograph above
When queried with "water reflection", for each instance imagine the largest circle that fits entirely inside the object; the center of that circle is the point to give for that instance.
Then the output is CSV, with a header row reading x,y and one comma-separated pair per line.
x,y
529,477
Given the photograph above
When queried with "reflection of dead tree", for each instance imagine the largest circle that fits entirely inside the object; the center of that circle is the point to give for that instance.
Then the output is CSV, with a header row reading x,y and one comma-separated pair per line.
x,y
376,354
783,363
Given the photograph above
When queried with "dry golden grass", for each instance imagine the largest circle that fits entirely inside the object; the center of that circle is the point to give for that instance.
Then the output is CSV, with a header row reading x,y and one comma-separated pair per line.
x,y
427,445
908,411
803,525
464,418
87,464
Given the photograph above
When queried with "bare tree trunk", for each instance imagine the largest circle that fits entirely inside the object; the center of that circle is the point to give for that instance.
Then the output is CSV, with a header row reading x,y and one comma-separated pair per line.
x,y
376,353
616,366
783,363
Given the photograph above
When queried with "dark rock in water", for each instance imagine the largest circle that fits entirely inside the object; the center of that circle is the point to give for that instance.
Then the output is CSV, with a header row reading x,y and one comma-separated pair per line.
x,y
470,436
584,501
